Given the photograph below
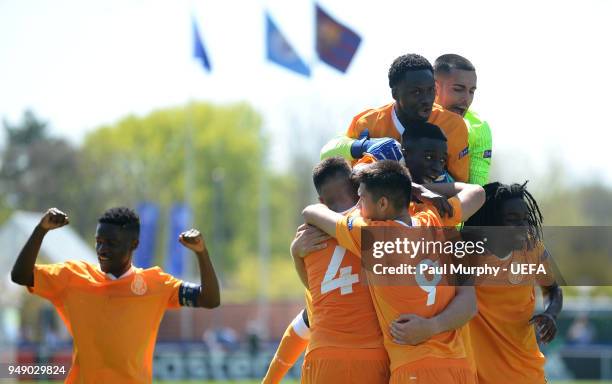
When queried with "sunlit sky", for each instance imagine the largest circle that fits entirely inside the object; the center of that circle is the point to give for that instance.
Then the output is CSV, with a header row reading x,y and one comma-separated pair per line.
x,y
542,82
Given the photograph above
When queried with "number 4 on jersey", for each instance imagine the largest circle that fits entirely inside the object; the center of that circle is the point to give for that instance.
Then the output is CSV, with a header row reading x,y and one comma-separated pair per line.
x,y
345,280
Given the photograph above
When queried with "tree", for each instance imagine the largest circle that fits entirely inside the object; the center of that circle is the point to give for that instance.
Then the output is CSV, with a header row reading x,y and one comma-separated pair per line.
x,y
36,167
143,158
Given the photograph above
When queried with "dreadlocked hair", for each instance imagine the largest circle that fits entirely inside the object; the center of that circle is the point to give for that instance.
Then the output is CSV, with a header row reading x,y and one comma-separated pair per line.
x,y
496,195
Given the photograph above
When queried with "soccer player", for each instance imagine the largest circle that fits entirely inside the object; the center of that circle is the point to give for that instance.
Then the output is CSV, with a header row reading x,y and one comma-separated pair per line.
x,y
425,155
503,335
411,79
420,333
455,88
346,342
113,309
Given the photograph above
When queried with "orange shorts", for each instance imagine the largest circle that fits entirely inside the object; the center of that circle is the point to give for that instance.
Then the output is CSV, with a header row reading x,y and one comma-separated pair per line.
x,y
346,365
434,371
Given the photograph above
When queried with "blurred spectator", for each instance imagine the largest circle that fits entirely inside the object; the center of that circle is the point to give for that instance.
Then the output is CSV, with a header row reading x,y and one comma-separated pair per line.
x,y
222,338
253,331
581,332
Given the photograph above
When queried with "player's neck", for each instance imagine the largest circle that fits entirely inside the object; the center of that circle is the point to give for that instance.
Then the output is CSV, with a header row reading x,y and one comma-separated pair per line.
x,y
122,271
404,217
403,119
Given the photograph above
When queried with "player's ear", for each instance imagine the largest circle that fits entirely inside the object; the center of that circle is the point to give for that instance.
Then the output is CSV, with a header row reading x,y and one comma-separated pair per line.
x,y
394,93
383,203
321,200
437,88
134,244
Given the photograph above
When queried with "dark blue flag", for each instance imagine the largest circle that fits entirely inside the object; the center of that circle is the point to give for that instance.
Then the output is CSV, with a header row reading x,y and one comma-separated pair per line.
x,y
149,214
336,43
279,51
180,219
198,47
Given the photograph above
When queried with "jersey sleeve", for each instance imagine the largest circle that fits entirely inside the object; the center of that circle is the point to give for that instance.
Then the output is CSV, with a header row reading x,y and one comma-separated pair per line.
x,y
458,152
357,125
338,146
173,287
348,233
481,145
50,280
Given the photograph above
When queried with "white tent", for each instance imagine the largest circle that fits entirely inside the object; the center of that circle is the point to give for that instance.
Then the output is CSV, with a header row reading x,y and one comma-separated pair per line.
x,y
59,245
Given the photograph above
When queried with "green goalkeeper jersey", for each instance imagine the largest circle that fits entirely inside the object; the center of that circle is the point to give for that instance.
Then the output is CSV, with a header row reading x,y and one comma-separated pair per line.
x,y
481,144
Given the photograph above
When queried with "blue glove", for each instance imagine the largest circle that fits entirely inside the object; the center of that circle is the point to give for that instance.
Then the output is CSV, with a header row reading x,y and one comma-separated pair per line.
x,y
385,149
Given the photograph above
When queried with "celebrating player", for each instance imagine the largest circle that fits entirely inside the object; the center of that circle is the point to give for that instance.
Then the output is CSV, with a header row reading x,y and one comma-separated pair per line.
x,y
502,333
113,310
411,79
425,156
420,335
346,340
455,89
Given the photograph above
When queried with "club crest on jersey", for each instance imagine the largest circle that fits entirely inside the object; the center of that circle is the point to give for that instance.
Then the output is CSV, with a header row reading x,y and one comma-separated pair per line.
x,y
139,286
487,154
464,153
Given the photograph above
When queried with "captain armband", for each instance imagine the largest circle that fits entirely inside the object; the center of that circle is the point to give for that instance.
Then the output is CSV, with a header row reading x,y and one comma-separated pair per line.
x,y
188,294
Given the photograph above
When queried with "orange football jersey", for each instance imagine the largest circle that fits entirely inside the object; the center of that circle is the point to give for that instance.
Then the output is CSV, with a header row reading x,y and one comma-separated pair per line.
x,y
341,309
392,300
503,342
114,323
446,221
382,122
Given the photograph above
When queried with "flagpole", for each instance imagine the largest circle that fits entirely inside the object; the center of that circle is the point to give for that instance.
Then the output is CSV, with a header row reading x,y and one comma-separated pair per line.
x,y
263,304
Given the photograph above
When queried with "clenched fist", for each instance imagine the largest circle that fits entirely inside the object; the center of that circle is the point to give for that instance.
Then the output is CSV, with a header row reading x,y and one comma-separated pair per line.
x,y
53,218
193,240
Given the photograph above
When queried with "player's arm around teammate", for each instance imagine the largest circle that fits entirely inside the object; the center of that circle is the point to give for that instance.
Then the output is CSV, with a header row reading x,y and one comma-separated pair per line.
x,y
307,239
412,329
471,196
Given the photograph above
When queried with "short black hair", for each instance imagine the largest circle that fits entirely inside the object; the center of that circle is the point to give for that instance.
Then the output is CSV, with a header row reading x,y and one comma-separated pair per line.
x,y
446,63
422,130
124,217
387,178
496,194
328,168
406,63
